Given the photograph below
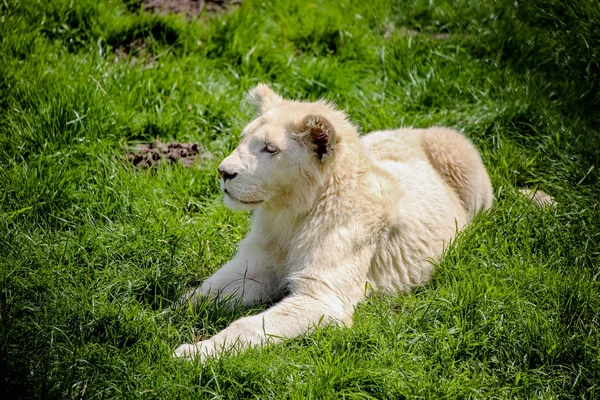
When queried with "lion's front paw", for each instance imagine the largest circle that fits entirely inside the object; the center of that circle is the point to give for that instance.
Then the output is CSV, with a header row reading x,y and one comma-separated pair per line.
x,y
203,350
186,350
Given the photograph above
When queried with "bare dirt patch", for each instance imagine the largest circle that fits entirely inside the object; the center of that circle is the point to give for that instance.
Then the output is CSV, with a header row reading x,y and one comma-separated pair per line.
x,y
191,8
136,51
146,155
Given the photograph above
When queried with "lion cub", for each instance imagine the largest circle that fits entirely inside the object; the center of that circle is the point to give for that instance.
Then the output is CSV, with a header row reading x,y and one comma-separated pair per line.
x,y
336,215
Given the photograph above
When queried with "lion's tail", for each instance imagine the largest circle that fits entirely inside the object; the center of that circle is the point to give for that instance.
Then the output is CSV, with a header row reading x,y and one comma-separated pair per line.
x,y
538,197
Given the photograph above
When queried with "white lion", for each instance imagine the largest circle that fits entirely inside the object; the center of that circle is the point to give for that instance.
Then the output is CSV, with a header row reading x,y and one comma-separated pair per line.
x,y
336,216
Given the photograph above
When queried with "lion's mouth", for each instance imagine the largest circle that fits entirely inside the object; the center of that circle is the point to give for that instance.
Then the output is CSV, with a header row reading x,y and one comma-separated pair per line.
x,y
241,201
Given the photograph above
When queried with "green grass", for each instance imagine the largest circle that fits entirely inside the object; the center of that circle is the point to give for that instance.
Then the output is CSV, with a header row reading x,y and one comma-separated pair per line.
x,y
92,250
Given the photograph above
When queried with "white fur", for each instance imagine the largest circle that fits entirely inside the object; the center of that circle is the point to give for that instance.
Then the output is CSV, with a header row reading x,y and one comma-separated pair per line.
x,y
335,216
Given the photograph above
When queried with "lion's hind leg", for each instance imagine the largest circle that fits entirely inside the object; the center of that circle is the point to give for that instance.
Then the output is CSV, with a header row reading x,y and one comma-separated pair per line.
x,y
458,162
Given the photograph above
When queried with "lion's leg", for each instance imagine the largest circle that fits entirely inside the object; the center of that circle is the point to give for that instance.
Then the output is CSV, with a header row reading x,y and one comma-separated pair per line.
x,y
245,278
459,163
325,283
289,318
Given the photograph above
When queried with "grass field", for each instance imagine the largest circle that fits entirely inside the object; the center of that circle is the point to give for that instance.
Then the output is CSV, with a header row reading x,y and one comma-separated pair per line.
x,y
92,249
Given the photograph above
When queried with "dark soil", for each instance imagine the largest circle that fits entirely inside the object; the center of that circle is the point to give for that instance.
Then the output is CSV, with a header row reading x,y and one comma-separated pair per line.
x,y
135,51
149,154
138,50
190,8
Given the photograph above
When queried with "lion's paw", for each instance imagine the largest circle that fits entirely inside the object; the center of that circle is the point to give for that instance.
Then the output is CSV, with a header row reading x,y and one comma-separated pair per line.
x,y
202,350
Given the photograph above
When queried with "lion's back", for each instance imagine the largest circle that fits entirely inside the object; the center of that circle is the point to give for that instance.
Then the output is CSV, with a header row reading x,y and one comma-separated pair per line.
x,y
454,158
421,210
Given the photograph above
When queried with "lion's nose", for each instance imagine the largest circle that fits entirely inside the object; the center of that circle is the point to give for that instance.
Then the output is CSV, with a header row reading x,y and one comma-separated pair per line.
x,y
226,175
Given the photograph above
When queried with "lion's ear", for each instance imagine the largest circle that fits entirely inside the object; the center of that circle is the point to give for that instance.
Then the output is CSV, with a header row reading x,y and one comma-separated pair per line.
x,y
318,133
263,98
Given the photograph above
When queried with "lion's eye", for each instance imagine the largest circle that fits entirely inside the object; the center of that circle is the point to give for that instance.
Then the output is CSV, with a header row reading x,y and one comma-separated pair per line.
x,y
269,148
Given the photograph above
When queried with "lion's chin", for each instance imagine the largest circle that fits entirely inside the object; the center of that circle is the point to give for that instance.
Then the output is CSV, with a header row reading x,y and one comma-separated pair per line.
x,y
239,205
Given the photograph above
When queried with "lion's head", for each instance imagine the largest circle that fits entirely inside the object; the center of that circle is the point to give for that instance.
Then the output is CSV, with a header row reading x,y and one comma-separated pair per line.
x,y
283,155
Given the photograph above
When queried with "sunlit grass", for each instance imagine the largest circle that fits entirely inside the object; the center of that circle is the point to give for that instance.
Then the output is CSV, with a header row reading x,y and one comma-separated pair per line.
x,y
92,249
